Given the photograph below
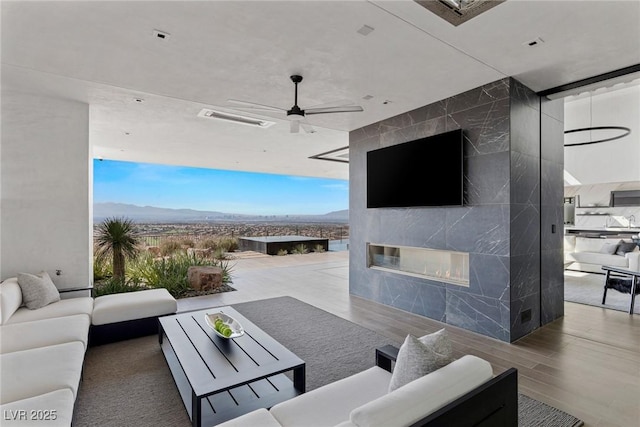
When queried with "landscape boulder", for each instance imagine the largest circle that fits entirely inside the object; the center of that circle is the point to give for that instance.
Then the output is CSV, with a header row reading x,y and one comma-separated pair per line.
x,y
204,278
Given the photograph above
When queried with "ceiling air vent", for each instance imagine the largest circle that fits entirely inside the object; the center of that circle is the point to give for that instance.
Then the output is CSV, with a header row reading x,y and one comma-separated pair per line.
x,y
235,118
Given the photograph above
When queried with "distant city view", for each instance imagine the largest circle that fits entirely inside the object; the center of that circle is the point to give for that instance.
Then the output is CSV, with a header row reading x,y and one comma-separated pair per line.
x,y
157,224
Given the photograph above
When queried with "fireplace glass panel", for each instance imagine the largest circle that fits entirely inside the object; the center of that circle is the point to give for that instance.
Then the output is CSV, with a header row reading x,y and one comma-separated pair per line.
x,y
434,264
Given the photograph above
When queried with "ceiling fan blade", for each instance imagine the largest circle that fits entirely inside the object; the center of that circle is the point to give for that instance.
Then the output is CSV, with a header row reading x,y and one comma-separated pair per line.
x,y
295,126
307,127
343,109
255,106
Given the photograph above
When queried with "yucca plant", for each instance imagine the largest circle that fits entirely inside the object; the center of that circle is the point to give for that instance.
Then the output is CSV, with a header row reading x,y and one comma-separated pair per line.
x,y
116,237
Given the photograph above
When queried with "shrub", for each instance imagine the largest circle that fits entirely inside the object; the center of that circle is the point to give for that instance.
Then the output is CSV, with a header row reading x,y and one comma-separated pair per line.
x,y
101,268
282,252
208,243
186,242
115,285
300,249
230,244
219,254
169,247
318,248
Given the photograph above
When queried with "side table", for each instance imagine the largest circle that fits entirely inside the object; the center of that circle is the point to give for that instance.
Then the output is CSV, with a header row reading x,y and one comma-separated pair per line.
x,y
623,280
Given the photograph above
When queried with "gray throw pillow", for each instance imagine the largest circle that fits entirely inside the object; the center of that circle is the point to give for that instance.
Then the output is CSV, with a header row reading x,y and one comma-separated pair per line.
x,y
38,290
625,247
418,357
609,248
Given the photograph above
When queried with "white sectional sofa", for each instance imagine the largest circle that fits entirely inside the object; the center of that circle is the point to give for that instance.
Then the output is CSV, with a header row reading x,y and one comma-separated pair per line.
x,y
462,393
590,254
42,350
41,357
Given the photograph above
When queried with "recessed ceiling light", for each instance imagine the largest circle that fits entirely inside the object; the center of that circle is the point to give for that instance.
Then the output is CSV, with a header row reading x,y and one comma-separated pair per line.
x,y
162,35
535,42
365,30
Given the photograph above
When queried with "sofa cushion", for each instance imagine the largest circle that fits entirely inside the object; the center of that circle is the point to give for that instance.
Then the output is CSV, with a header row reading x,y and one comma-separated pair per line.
x,y
408,404
586,244
625,247
609,248
331,404
419,357
41,370
57,406
37,290
65,307
599,259
41,333
258,418
10,298
132,305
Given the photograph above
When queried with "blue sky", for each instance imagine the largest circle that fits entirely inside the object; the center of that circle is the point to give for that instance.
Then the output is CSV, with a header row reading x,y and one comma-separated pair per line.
x,y
178,187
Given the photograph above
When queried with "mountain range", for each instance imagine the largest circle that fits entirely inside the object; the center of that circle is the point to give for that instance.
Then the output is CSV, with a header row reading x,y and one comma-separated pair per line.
x,y
165,215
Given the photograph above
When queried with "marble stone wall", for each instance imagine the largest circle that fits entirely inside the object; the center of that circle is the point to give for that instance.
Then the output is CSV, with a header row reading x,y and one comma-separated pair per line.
x,y
525,211
483,227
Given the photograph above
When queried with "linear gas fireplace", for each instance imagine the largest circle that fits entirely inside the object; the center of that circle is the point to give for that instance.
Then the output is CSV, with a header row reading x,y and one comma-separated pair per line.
x,y
434,264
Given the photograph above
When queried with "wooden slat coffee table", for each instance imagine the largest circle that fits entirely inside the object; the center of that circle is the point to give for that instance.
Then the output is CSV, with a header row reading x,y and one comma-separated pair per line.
x,y
220,378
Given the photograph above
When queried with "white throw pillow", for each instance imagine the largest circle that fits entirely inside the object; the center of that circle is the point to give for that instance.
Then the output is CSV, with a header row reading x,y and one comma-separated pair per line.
x,y
609,248
38,290
420,356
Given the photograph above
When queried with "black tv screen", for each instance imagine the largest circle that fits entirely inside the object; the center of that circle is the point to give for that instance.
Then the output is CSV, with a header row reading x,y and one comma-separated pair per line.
x,y
423,172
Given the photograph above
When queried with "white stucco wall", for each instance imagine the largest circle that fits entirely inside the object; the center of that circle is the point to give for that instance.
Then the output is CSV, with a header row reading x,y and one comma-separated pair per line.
x,y
615,161
45,179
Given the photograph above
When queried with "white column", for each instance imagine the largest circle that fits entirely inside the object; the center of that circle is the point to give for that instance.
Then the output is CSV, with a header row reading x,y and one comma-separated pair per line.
x,y
46,180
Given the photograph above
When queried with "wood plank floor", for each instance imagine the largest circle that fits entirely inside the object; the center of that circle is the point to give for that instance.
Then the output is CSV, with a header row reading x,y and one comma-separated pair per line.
x,y
587,363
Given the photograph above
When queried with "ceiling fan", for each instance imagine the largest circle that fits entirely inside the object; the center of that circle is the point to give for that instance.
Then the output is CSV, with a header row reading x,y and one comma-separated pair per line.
x,y
296,114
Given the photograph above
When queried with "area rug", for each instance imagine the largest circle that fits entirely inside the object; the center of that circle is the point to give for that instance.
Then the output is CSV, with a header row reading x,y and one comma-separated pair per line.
x,y
533,413
586,288
129,384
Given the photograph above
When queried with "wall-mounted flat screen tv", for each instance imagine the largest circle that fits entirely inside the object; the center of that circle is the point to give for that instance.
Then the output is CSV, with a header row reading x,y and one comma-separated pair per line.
x,y
423,172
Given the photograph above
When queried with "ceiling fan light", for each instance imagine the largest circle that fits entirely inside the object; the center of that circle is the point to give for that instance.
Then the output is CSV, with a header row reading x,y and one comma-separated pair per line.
x,y
295,116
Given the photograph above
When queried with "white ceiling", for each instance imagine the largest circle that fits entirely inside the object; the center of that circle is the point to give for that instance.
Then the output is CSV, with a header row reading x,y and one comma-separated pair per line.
x,y
104,53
